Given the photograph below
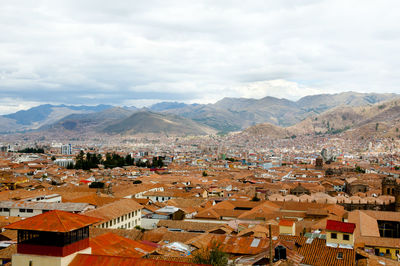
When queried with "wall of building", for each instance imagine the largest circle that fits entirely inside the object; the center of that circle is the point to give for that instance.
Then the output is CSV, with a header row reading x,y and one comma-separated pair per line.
x,y
287,230
126,221
339,239
29,259
17,213
392,251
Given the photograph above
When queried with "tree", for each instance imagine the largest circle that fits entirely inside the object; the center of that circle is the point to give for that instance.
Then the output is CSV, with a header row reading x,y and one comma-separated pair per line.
x,y
376,126
96,184
53,158
212,255
205,173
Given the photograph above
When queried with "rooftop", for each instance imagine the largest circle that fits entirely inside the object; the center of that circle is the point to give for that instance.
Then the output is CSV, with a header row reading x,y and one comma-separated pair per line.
x,y
54,221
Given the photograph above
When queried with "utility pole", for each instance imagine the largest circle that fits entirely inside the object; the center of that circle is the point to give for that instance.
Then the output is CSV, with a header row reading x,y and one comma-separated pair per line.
x,y
270,245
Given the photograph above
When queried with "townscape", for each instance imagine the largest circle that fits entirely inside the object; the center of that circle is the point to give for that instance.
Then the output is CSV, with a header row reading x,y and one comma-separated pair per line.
x,y
316,200
199,133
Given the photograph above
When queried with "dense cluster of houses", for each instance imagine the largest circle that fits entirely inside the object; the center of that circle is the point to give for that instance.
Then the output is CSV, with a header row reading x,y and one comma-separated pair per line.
x,y
259,210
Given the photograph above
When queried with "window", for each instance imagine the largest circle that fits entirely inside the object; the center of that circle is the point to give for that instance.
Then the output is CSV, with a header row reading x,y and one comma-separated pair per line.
x,y
333,235
346,237
22,210
340,255
387,251
29,210
6,209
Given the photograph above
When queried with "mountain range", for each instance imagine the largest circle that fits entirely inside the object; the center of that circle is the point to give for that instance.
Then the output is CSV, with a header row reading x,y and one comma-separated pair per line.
x,y
315,114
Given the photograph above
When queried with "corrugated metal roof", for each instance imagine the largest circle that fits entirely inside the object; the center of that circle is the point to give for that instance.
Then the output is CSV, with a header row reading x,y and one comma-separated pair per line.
x,y
54,221
63,206
88,260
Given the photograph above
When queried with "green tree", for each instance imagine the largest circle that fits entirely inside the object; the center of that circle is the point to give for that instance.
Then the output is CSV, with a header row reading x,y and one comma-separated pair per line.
x,y
205,173
212,255
376,126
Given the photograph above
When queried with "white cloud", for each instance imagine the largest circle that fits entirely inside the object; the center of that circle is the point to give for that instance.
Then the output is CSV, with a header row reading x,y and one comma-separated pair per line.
x,y
99,51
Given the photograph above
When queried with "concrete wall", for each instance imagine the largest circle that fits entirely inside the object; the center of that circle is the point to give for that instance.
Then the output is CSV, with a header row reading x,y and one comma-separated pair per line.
x,y
36,260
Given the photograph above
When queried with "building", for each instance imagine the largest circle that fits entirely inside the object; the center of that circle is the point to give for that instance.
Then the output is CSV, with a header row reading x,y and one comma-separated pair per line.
x,y
287,227
66,149
392,188
377,232
32,208
52,238
339,234
64,162
125,213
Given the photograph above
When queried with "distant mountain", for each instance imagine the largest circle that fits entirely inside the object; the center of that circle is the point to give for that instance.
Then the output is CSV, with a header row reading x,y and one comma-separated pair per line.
x,y
162,106
231,114
145,122
379,120
226,115
42,115
89,122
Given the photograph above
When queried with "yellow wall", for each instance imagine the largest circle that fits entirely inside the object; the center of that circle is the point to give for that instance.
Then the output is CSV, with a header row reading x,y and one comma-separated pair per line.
x,y
287,230
339,239
383,250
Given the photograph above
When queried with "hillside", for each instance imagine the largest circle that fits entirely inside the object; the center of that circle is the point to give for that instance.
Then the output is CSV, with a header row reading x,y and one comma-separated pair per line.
x,y
230,114
42,115
149,122
378,120
92,122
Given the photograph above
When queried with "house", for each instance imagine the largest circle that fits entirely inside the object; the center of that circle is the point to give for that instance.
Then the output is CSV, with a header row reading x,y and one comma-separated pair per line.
x,y
125,213
339,234
299,190
287,227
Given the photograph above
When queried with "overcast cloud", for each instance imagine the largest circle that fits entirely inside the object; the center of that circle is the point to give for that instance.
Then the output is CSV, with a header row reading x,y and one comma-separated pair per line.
x,y
141,52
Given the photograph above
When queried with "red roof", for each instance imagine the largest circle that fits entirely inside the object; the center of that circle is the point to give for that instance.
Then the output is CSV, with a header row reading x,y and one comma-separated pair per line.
x,y
115,245
54,221
340,226
286,223
89,259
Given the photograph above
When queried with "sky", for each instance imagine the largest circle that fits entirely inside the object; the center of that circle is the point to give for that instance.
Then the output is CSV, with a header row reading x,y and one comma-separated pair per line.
x,y
141,52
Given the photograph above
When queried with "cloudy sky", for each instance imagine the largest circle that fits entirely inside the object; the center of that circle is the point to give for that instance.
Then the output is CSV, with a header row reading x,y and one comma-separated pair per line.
x,y
141,52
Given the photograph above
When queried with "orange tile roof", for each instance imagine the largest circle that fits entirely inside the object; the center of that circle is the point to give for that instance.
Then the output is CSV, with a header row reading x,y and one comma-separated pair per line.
x,y
115,245
54,221
88,259
286,223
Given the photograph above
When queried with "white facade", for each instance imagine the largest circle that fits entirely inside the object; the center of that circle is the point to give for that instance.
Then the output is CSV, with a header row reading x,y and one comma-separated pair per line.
x,y
126,221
